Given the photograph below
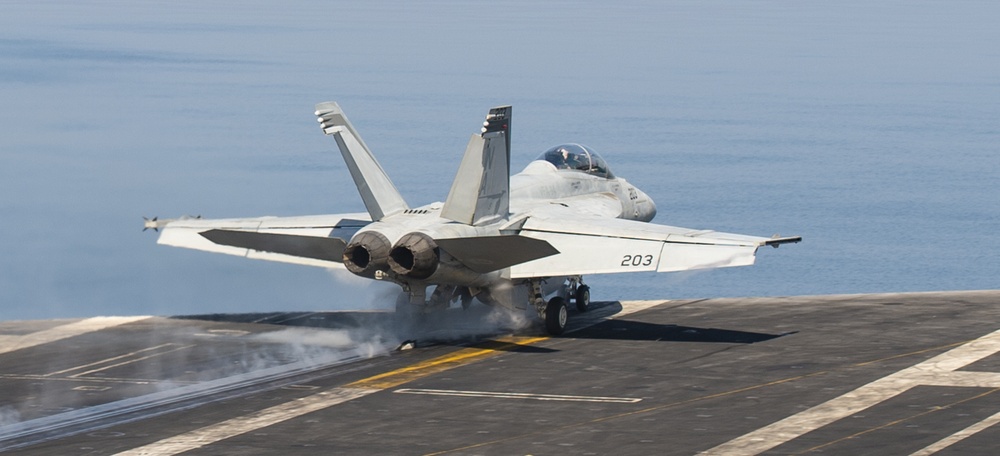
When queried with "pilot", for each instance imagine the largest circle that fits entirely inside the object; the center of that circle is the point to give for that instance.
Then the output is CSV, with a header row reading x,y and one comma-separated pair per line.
x,y
570,160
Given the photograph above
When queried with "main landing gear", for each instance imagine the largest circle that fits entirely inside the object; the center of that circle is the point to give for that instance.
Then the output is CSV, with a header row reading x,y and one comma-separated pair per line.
x,y
555,312
414,299
556,316
582,298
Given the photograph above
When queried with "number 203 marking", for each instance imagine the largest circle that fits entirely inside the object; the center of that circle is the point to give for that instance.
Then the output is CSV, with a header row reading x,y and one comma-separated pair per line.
x,y
637,260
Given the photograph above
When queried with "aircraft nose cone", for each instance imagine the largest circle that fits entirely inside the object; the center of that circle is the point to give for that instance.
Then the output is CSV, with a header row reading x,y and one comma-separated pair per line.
x,y
651,212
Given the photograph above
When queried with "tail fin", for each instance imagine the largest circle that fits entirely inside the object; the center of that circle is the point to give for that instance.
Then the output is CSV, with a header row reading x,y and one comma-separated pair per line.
x,y
480,193
380,196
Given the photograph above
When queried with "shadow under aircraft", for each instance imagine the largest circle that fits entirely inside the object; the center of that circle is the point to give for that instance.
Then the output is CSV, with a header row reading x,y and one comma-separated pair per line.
x,y
465,327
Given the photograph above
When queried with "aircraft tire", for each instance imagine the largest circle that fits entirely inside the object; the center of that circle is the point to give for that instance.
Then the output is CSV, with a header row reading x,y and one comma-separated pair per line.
x,y
556,316
582,298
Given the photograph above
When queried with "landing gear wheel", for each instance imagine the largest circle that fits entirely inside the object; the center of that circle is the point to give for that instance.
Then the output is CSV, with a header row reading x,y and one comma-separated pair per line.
x,y
556,316
582,298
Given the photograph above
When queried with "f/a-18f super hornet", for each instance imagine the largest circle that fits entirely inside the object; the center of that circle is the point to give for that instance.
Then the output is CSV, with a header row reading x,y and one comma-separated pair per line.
x,y
511,241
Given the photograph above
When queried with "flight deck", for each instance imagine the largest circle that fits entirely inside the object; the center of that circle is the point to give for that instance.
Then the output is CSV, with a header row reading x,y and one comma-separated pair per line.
x,y
908,374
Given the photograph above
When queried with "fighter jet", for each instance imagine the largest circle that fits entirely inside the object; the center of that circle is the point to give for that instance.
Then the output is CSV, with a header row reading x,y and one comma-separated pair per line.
x,y
521,242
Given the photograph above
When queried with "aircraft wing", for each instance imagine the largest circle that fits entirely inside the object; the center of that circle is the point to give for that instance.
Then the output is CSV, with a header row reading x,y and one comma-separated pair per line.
x,y
599,246
310,240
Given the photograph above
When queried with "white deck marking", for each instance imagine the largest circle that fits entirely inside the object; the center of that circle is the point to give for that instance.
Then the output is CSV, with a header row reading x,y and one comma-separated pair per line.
x,y
629,307
91,388
958,436
134,360
237,426
130,381
10,343
537,397
937,371
241,425
96,363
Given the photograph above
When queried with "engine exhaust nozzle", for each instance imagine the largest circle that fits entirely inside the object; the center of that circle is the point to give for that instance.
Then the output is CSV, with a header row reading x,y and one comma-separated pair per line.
x,y
415,255
367,252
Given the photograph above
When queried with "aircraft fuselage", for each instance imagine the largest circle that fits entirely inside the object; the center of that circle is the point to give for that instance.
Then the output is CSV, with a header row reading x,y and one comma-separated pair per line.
x,y
409,256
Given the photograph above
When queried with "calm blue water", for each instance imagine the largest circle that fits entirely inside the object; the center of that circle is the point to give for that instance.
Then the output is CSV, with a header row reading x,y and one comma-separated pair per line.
x,y
870,129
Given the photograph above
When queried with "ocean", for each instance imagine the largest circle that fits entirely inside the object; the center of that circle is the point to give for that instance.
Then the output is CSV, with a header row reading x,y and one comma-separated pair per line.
x,y
870,129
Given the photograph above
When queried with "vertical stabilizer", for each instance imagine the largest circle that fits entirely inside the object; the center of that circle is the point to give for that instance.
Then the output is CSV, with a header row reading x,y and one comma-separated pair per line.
x,y
480,194
377,191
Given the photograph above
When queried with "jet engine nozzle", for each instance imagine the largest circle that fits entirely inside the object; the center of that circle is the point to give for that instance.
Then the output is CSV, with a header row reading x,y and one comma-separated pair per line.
x,y
366,253
415,255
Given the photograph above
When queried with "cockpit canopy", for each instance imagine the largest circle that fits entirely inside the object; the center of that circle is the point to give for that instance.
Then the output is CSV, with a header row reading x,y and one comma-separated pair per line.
x,y
577,157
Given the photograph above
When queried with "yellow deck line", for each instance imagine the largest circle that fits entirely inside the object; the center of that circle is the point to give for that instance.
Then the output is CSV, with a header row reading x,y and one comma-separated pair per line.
x,y
208,435
460,358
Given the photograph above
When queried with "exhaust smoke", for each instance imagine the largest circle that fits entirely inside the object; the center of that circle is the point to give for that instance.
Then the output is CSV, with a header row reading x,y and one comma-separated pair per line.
x,y
9,415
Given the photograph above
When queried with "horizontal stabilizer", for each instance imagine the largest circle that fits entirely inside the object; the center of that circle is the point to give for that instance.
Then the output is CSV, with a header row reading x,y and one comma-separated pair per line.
x,y
317,248
315,240
489,253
